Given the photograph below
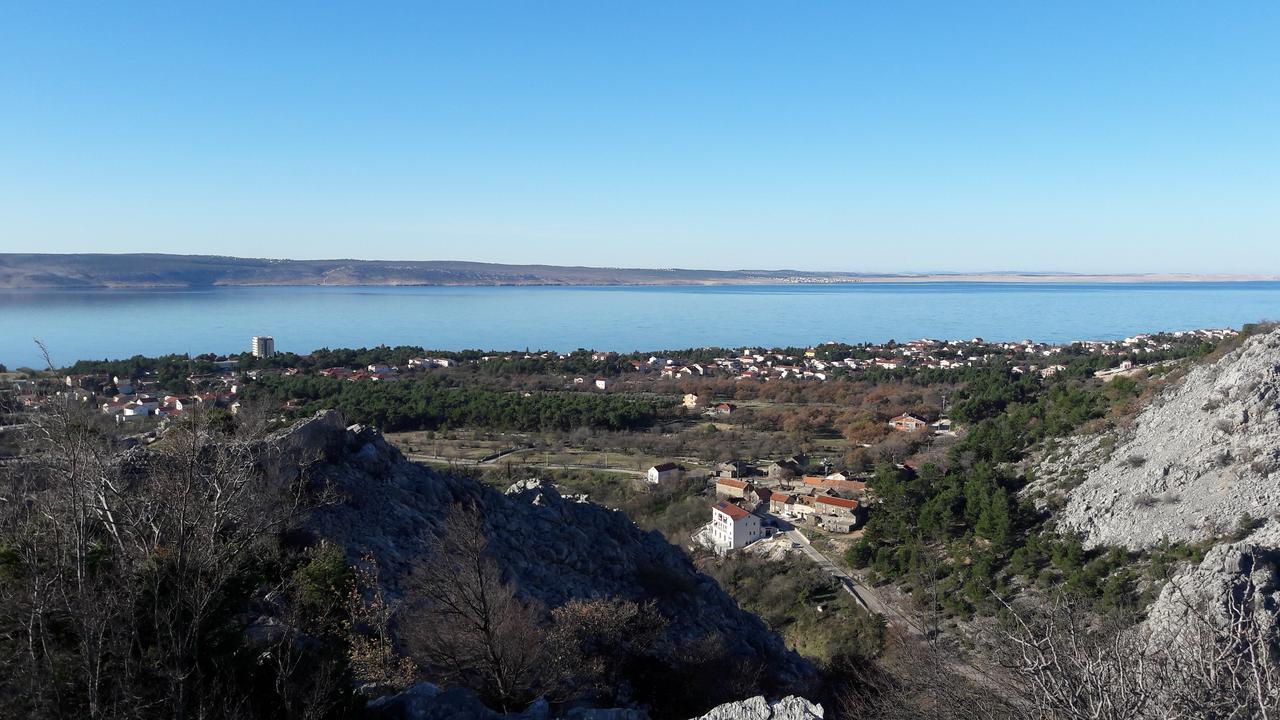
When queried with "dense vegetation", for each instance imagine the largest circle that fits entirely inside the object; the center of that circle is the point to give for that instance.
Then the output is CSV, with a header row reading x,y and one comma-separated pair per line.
x,y
955,533
804,605
433,402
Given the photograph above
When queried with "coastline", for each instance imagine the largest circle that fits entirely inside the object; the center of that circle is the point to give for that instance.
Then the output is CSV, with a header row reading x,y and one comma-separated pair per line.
x,y
904,279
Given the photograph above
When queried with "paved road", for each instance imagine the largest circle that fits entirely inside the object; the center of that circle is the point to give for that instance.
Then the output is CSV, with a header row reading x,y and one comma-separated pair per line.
x,y
864,595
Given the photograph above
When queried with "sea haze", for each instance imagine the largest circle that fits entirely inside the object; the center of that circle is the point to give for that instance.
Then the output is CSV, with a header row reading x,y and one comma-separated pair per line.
x,y
95,324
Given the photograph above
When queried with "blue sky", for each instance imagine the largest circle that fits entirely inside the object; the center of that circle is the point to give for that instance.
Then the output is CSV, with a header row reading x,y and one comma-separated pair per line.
x,y
1093,137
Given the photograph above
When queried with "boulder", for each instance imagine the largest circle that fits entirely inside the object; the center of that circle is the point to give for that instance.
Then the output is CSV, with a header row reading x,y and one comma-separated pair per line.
x,y
757,708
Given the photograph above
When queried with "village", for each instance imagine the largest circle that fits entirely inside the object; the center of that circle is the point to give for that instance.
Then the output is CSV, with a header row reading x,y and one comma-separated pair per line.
x,y
718,470
754,499
132,398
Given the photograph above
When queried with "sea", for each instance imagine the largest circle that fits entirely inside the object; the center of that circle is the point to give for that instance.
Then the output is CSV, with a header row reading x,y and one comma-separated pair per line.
x,y
97,324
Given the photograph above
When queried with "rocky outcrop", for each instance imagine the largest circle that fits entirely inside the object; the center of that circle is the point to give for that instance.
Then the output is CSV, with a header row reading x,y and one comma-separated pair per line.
x,y
1234,581
1201,455
757,708
554,549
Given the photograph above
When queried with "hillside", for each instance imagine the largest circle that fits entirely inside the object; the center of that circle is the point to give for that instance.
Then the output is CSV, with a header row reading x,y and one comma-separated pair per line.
x,y
313,570
158,270
1200,458
155,270
553,549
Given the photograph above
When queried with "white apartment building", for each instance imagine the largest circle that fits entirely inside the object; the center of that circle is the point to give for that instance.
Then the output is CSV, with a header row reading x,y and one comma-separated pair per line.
x,y
263,346
732,527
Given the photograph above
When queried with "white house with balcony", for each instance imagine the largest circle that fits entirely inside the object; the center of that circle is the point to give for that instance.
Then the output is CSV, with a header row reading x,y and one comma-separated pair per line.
x,y
732,527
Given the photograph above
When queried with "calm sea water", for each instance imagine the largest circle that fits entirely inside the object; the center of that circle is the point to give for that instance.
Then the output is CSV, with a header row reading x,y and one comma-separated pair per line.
x,y
120,323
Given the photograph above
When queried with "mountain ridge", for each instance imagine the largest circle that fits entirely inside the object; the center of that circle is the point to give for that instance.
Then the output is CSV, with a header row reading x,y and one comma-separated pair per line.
x,y
161,270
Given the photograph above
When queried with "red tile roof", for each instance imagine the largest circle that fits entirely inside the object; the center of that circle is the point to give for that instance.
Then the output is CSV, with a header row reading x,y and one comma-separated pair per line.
x,y
838,502
847,485
732,483
731,510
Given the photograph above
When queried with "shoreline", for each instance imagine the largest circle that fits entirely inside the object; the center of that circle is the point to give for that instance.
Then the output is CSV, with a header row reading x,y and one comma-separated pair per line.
x,y
923,279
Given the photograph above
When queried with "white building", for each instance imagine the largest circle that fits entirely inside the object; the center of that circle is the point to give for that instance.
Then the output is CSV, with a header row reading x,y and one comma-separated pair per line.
x,y
139,408
663,472
263,346
732,527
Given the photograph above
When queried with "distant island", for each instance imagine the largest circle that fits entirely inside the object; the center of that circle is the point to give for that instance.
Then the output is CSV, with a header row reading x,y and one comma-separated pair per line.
x,y
147,270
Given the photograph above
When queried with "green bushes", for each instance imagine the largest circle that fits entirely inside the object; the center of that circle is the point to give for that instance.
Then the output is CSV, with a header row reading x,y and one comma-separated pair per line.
x,y
432,403
806,606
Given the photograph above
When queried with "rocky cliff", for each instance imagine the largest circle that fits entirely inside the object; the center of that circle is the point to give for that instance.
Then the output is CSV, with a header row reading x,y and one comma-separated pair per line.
x,y
554,549
1235,581
1202,455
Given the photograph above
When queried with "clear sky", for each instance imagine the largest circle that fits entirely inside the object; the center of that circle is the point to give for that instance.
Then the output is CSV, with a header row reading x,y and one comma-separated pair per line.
x,y
864,136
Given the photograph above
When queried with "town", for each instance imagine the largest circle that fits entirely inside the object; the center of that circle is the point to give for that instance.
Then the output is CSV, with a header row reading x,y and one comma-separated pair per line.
x,y
805,481
810,481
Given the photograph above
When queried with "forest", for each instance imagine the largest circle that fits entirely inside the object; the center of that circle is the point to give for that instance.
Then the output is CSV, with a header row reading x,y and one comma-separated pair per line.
x,y
958,535
436,402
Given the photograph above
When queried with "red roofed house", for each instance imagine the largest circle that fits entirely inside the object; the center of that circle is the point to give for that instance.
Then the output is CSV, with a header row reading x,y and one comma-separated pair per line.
x,y
781,502
732,527
908,423
732,487
663,472
827,483
836,506
722,410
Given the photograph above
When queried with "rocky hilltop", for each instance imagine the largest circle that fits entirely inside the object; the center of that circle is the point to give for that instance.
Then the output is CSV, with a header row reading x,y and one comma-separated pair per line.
x,y
554,549
1202,457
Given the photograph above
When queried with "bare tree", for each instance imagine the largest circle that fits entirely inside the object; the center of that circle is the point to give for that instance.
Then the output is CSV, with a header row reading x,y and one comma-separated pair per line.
x,y
470,625
590,641
120,566
1069,663
1228,660
918,679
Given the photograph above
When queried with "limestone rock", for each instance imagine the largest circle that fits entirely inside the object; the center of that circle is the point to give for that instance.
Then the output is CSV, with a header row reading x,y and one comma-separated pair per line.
x,y
1201,455
1233,579
757,708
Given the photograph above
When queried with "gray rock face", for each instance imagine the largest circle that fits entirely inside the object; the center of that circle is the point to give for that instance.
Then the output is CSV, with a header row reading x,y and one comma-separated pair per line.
x,y
757,708
1202,454
1233,579
554,549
